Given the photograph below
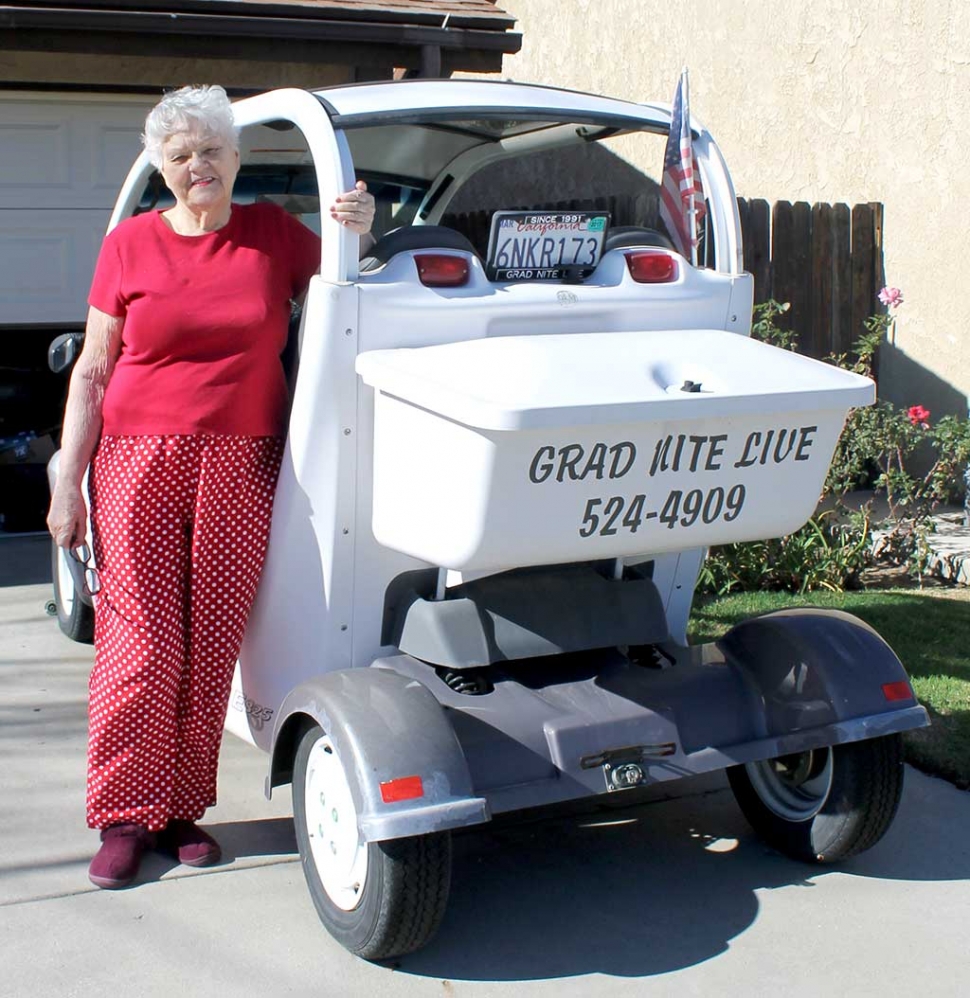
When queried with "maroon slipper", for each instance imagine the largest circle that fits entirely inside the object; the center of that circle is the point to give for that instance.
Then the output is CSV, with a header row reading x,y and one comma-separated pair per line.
x,y
186,842
116,862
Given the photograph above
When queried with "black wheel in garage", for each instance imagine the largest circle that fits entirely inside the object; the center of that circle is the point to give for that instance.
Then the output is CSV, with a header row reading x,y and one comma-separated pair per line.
x,y
74,616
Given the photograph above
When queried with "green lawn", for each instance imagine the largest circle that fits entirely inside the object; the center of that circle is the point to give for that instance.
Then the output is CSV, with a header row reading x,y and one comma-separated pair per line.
x,y
930,632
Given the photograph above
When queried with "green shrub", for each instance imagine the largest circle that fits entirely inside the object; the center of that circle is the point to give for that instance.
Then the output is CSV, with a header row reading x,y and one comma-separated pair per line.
x,y
825,554
874,451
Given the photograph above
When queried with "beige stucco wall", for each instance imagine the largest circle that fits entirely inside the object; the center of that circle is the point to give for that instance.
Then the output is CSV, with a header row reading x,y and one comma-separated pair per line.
x,y
815,100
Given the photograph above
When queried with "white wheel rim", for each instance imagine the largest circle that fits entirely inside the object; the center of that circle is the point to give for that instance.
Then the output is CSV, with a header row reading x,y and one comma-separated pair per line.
x,y
331,822
794,787
65,583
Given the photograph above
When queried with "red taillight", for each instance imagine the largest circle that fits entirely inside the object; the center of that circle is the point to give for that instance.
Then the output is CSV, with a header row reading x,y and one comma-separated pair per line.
x,y
403,788
436,270
652,266
897,691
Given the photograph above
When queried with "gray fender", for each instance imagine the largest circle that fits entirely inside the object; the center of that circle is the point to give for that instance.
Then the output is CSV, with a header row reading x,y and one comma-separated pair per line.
x,y
812,667
384,726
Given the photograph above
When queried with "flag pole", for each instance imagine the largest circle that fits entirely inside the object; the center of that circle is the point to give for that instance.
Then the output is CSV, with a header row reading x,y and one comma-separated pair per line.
x,y
691,207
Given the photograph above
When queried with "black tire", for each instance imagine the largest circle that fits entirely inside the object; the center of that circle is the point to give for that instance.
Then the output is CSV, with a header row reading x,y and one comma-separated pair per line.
x,y
402,899
826,805
74,617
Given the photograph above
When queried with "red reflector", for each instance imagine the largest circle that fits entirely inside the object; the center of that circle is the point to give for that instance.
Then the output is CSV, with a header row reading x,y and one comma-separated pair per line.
x,y
405,788
652,267
439,271
897,691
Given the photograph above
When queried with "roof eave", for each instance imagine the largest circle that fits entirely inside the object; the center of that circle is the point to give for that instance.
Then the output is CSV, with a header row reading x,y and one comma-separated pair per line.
x,y
20,20
496,20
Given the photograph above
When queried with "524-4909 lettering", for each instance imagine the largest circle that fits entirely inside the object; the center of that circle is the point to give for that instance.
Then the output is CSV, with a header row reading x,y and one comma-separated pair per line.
x,y
607,517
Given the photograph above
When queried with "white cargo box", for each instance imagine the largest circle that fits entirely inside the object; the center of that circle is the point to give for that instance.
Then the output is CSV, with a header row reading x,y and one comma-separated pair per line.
x,y
525,450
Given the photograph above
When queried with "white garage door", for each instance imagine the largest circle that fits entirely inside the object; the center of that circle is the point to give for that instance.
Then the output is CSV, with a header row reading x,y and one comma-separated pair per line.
x,y
62,159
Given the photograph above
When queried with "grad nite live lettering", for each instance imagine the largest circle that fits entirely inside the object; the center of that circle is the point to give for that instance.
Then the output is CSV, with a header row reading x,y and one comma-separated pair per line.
x,y
607,515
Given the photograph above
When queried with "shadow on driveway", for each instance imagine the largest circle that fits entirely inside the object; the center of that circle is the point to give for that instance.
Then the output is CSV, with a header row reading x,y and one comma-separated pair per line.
x,y
652,888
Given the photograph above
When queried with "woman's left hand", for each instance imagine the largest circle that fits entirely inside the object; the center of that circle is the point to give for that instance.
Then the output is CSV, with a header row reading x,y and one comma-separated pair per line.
x,y
355,209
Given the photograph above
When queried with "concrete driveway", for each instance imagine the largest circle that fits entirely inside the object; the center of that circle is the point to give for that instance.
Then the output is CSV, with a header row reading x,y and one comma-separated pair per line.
x,y
661,897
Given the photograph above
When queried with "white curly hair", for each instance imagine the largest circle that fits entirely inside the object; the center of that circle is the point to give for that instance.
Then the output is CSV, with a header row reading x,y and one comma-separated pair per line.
x,y
198,107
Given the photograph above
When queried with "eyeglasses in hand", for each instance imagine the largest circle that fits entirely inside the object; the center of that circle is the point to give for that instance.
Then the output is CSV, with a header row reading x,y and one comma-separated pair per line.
x,y
92,581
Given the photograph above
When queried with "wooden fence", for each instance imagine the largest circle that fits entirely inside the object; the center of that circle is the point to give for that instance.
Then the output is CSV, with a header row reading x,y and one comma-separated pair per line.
x,y
825,259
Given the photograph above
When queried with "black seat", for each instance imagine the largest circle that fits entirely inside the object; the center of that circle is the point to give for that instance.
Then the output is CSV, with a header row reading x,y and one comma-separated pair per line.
x,y
625,236
414,237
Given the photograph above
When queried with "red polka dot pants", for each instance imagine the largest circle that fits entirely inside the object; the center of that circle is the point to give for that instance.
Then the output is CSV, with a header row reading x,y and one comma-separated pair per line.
x,y
180,530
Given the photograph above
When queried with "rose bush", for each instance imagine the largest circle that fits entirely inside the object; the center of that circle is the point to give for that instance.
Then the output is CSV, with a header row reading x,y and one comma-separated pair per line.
x,y
875,452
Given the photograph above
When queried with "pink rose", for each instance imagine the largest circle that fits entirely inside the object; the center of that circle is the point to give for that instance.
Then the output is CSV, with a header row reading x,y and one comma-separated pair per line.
x,y
891,297
918,416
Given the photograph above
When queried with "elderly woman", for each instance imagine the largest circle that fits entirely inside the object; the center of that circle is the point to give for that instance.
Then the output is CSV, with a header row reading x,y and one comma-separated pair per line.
x,y
178,402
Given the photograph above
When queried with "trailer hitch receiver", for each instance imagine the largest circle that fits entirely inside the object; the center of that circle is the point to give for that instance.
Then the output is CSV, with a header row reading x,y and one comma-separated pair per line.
x,y
623,767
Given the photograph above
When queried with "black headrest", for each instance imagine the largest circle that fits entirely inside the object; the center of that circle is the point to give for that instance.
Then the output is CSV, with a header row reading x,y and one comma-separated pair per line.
x,y
624,236
414,237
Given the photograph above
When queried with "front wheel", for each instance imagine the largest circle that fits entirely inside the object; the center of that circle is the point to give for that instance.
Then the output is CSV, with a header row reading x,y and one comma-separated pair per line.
x,y
74,617
377,899
823,805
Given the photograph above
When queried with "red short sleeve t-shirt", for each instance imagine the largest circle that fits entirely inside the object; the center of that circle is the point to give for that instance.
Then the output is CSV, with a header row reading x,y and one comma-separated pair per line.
x,y
206,320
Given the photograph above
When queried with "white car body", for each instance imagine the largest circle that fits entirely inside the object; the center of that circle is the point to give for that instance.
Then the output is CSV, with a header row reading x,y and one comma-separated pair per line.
x,y
321,599
494,502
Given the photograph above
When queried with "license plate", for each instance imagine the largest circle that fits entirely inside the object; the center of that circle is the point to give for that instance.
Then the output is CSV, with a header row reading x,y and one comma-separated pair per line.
x,y
545,246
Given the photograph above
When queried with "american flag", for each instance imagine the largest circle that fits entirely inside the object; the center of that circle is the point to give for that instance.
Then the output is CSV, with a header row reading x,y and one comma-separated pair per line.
x,y
680,191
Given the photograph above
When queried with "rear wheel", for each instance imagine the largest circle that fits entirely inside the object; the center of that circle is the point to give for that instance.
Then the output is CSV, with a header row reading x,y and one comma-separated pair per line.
x,y
74,617
378,899
825,804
